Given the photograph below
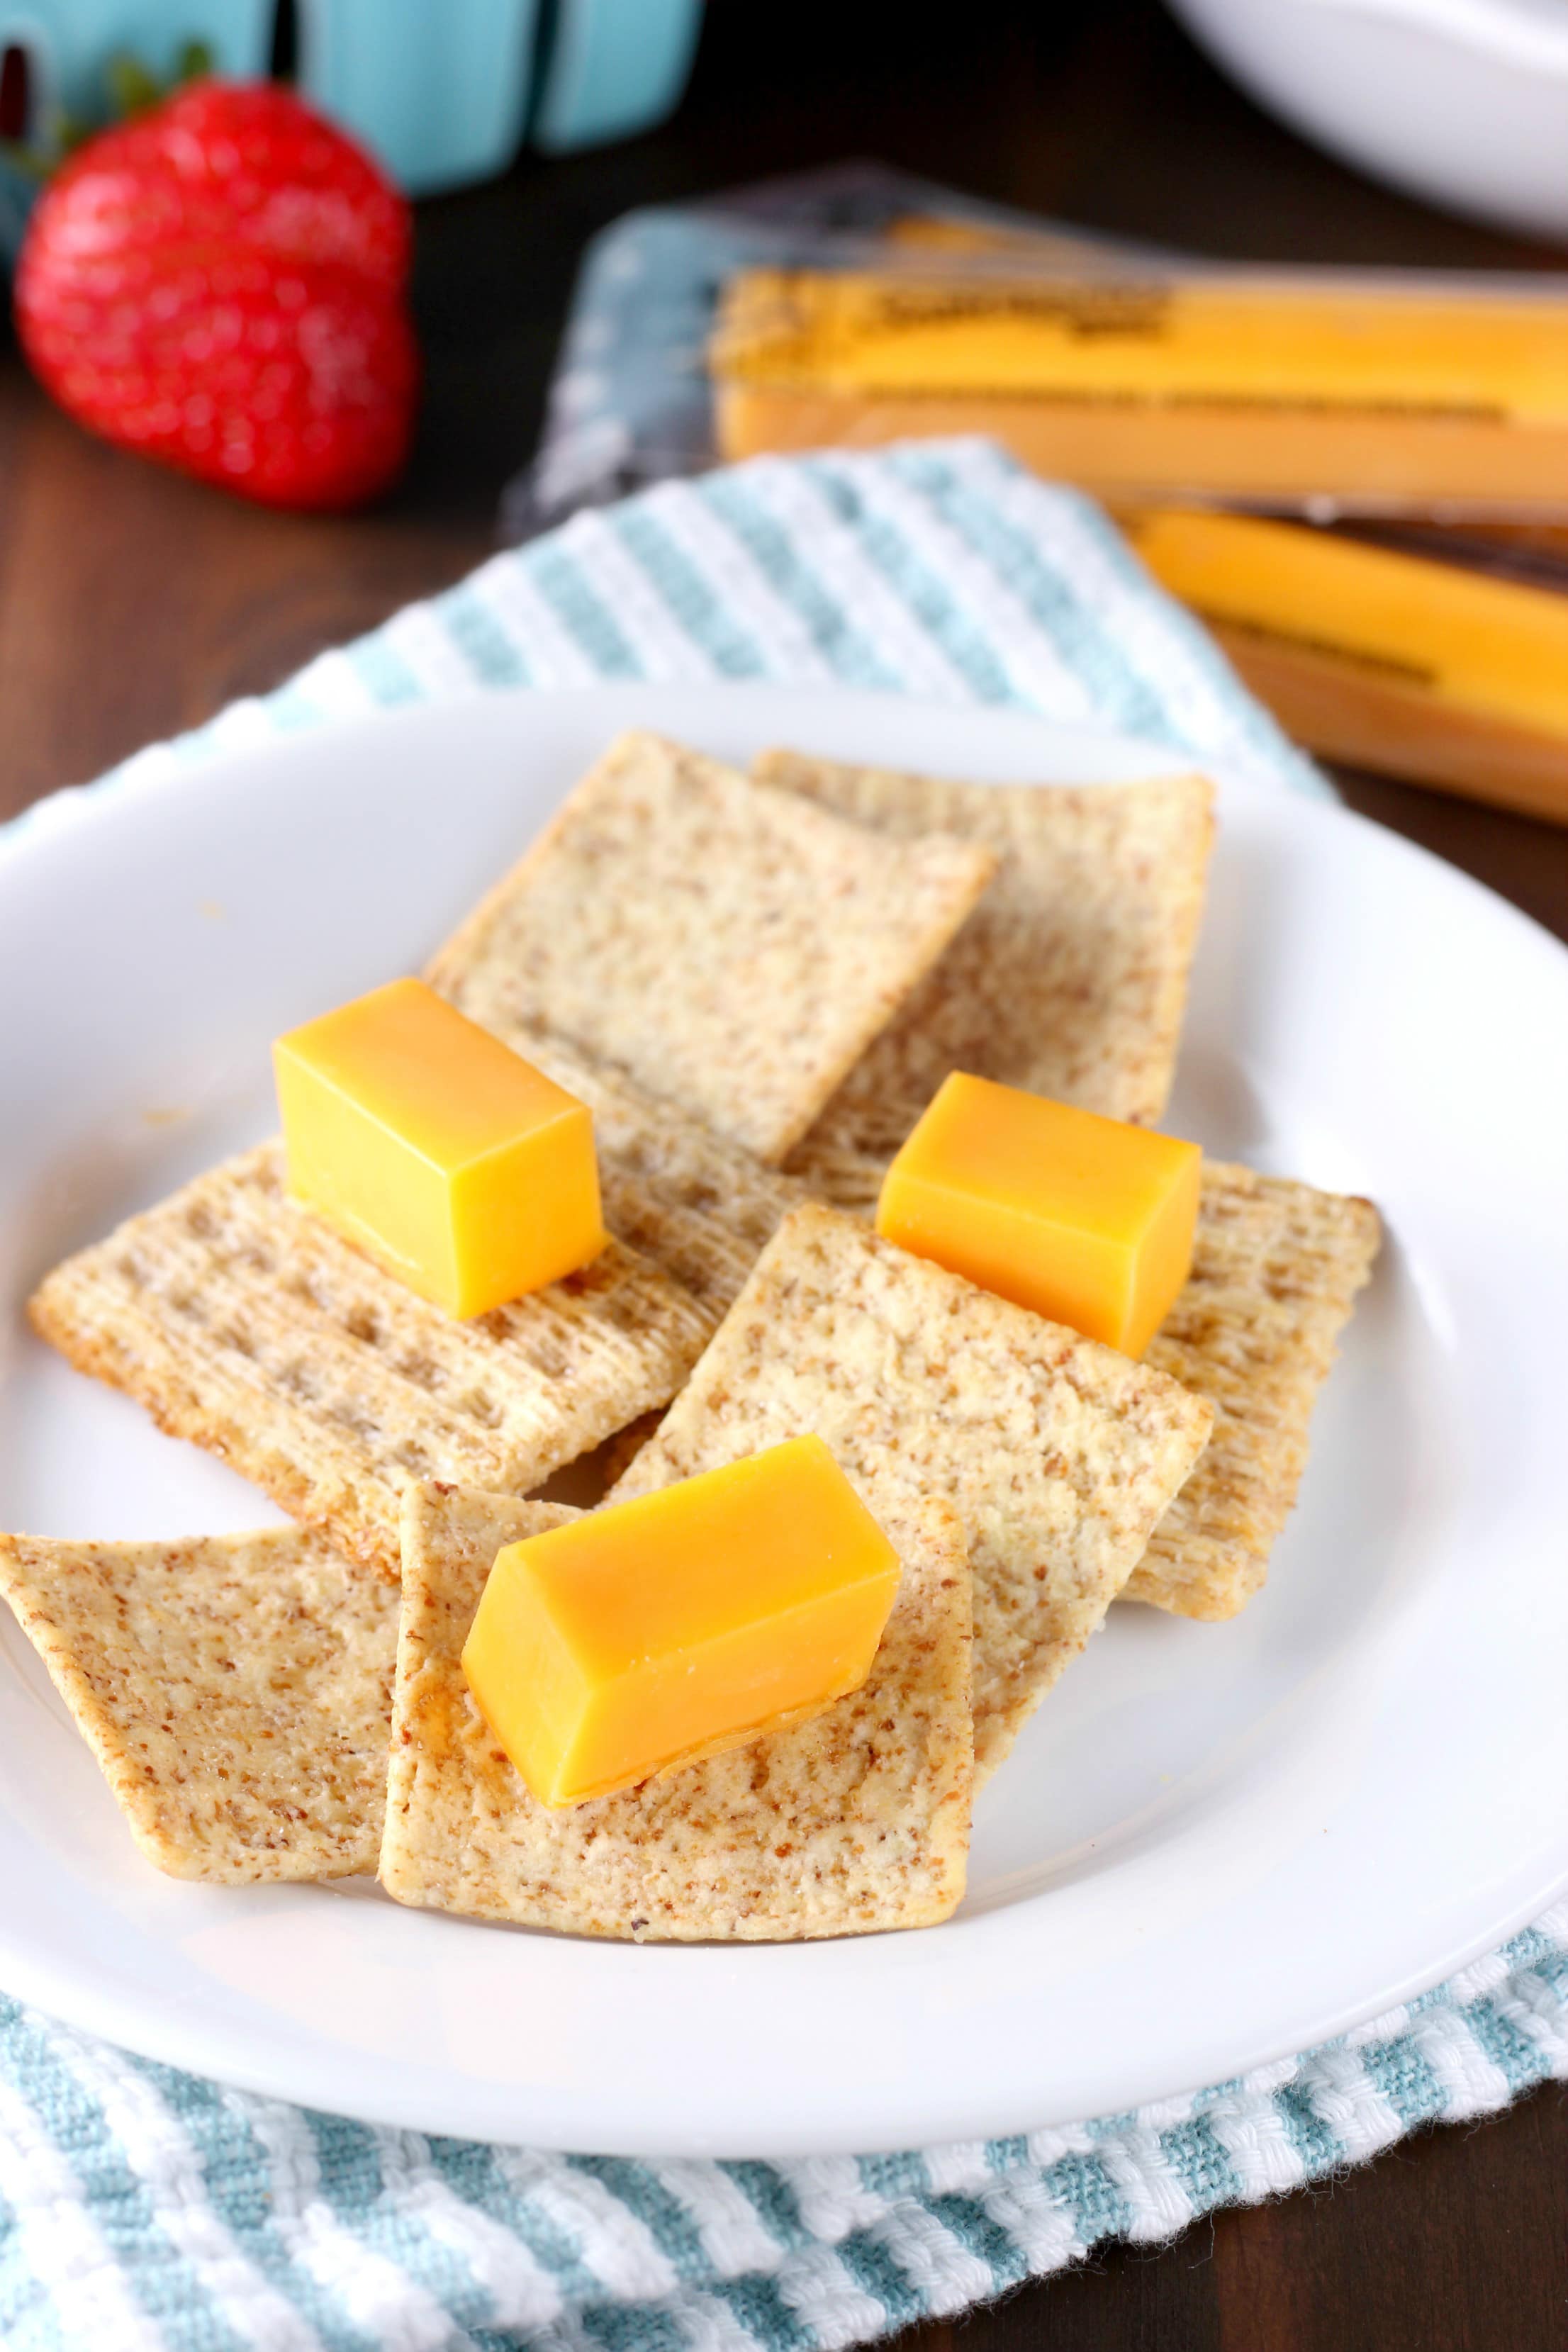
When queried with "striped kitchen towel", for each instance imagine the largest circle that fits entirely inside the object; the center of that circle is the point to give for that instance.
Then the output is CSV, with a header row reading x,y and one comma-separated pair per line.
x,y
146,2210
940,569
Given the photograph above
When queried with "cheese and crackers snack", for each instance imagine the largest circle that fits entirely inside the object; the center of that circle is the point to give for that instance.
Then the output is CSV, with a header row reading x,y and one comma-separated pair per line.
x,y
783,1145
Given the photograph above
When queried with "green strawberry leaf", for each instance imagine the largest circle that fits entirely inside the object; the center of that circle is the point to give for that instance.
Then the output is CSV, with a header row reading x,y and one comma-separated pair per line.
x,y
130,88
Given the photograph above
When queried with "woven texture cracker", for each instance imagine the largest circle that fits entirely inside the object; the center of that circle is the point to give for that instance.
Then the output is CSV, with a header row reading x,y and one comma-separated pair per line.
x,y
243,1322
1275,1270
855,1821
1060,1454
236,1691
729,948
1069,978
696,1204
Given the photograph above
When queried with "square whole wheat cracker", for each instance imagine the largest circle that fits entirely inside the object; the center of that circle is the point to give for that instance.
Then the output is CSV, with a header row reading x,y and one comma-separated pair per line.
x,y
1069,978
1276,1269
242,1321
236,1690
854,1822
1060,1454
730,949
691,1201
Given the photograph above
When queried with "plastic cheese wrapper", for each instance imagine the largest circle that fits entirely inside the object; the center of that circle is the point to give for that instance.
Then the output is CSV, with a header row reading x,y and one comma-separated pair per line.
x,y
1298,390
630,402
1428,655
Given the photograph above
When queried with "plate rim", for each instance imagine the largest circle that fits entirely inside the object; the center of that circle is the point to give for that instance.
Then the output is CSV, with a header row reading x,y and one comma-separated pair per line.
x,y
181,761
164,2035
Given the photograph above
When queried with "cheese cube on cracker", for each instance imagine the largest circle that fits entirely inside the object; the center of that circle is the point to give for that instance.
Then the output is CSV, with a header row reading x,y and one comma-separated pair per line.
x,y
642,1637
445,1156
855,1821
1087,1220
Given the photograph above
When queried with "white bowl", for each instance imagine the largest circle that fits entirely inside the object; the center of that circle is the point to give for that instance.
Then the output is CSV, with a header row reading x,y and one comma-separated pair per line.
x,y
1462,102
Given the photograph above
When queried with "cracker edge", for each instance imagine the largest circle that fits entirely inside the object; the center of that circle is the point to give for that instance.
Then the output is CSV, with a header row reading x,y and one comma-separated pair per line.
x,y
787,770
105,1738
446,969
180,1409
1212,1597
996,1733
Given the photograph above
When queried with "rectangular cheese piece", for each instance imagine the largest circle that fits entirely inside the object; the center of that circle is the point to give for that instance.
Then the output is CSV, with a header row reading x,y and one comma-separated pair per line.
x,y
1086,1220
644,1636
448,1158
1381,393
1389,660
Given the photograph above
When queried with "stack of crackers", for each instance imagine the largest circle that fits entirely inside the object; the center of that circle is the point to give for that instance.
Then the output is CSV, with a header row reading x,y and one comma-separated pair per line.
x,y
756,983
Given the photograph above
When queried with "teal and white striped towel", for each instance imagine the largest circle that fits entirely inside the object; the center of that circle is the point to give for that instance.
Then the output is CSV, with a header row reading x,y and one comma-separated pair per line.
x,y
146,2210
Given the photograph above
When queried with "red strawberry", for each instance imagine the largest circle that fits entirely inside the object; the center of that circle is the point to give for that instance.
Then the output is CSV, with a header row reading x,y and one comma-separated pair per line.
x,y
221,284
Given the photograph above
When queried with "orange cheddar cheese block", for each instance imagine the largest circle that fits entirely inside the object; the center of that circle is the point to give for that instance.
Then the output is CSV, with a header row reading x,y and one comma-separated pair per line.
x,y
1087,1220
1381,656
1274,386
448,1158
641,1637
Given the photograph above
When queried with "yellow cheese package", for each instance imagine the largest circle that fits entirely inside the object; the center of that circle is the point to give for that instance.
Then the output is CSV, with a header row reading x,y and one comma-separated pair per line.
x,y
1430,656
1297,390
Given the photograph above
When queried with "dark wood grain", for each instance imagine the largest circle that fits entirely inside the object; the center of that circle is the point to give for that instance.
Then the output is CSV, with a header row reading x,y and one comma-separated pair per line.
x,y
1457,2240
133,604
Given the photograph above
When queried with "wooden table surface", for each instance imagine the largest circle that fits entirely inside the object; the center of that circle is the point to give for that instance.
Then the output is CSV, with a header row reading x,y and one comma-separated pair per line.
x,y
133,604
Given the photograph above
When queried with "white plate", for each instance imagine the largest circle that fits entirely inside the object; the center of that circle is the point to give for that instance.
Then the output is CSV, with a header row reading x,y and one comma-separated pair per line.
x,y
1213,1845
